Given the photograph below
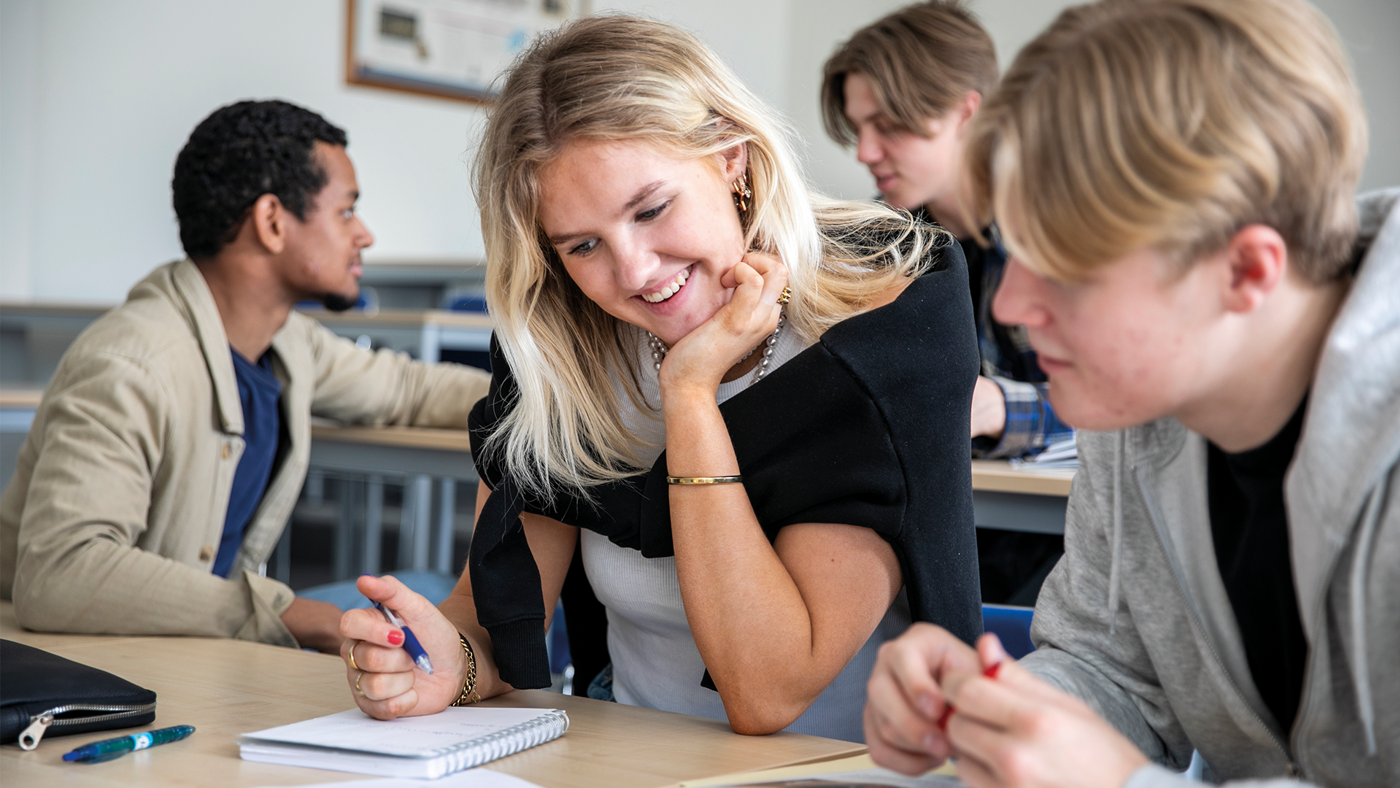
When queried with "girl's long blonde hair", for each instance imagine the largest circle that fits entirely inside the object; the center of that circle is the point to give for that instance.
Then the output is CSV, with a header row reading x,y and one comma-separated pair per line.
x,y
620,78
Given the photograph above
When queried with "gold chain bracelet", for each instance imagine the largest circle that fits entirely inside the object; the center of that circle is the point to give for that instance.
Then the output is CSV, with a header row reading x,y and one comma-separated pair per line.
x,y
469,694
704,479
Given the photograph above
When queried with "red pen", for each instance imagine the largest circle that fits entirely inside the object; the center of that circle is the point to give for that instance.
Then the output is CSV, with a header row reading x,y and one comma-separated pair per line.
x,y
990,672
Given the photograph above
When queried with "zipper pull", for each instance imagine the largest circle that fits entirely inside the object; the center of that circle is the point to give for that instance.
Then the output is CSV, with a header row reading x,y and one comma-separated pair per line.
x,y
38,724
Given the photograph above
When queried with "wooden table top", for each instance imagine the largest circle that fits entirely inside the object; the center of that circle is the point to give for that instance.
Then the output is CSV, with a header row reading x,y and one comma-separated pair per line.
x,y
1002,476
401,317
987,475
406,437
228,687
20,398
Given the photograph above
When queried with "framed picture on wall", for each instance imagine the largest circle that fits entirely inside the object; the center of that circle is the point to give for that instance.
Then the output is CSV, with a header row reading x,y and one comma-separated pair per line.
x,y
447,48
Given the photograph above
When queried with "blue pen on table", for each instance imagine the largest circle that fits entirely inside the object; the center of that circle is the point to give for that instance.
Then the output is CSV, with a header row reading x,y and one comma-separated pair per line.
x,y
108,749
410,643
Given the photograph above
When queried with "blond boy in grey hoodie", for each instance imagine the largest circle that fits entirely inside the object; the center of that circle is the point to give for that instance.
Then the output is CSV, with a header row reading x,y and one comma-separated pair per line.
x,y
1217,313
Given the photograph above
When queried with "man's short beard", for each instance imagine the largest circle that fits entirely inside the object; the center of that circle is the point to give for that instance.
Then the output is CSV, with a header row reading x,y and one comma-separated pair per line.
x,y
336,302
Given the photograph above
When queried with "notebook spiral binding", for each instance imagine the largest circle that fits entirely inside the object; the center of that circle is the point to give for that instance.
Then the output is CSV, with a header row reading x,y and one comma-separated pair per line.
x,y
507,742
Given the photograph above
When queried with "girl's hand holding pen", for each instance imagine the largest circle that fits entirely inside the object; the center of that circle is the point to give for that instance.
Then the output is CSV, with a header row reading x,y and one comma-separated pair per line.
x,y
384,679
410,641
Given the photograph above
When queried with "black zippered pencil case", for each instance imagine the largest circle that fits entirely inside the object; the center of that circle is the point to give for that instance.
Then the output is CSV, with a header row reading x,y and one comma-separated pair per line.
x,y
45,693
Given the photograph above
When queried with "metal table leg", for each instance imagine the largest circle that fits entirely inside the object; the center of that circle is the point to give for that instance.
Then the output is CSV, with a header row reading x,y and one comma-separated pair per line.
x,y
352,496
374,525
422,521
447,518
282,556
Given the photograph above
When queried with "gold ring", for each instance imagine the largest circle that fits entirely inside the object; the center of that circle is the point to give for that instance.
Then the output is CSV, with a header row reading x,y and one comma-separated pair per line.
x,y
785,296
353,644
357,683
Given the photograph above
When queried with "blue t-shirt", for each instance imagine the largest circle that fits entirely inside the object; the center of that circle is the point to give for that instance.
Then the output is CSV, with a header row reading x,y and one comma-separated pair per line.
x,y
259,390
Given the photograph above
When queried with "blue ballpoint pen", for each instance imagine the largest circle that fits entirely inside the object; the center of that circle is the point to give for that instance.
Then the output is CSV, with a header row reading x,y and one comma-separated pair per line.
x,y
108,749
410,643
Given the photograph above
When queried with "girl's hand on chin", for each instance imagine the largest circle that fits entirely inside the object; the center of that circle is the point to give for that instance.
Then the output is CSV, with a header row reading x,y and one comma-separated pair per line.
x,y
700,360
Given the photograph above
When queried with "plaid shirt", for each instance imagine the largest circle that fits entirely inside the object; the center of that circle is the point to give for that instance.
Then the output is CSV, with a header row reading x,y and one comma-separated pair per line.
x,y
1009,361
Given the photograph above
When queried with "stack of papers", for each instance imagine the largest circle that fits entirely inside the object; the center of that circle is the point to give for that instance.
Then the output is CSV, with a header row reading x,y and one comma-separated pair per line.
x,y
1060,454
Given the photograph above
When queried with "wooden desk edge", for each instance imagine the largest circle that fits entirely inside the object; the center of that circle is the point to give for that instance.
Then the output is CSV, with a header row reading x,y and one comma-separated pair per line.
x,y
998,476
855,750
323,691
987,475
401,317
22,399
407,437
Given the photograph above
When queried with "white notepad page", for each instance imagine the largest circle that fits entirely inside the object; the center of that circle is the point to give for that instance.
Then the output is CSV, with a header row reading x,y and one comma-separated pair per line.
x,y
452,739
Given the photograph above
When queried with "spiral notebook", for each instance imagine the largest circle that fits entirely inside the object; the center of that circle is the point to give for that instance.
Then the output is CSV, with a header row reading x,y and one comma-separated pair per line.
x,y
431,746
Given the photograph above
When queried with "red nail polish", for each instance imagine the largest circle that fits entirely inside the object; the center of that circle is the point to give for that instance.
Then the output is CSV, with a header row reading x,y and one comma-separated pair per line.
x,y
396,637
992,671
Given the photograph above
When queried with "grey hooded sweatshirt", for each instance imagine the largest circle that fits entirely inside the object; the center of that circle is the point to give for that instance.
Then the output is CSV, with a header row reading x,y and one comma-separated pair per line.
x,y
1135,618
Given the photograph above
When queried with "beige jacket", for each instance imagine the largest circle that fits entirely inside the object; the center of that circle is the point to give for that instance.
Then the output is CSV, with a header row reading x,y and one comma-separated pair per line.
x,y
114,515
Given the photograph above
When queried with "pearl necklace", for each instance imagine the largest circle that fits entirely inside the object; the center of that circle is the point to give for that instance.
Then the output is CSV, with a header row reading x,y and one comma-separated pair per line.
x,y
659,350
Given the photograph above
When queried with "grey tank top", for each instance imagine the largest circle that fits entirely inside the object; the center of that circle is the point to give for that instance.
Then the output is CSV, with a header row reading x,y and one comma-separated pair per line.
x,y
656,663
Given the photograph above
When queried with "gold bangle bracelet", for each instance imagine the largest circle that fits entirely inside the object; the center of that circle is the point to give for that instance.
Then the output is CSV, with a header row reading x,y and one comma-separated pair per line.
x,y
704,479
469,694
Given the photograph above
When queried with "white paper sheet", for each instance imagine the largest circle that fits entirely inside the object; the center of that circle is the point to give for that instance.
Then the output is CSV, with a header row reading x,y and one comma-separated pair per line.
x,y
471,778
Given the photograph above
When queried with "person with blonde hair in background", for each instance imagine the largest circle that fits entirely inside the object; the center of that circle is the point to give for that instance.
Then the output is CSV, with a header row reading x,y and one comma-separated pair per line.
x,y
1175,180
661,279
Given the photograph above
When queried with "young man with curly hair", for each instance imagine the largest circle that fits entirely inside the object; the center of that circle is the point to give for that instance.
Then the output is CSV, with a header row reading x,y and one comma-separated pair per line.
x,y
173,440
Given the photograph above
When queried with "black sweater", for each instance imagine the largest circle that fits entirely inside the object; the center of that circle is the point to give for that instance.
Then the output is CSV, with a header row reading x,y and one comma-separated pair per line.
x,y
867,427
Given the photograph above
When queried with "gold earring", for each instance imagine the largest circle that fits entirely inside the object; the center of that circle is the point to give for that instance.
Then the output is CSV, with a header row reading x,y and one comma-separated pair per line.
x,y
742,193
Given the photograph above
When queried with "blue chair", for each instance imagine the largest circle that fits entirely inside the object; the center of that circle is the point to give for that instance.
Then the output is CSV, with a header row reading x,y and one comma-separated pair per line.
x,y
557,642
471,302
1012,625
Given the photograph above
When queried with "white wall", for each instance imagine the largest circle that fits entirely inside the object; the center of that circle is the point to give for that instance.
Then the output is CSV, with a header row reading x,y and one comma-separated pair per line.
x,y
96,99
1370,29
120,86
751,36
97,96
19,62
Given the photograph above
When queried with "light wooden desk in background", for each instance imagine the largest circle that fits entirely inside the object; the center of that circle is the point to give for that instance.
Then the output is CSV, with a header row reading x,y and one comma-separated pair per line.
x,y
1003,497
228,687
424,333
1023,498
40,332
20,399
